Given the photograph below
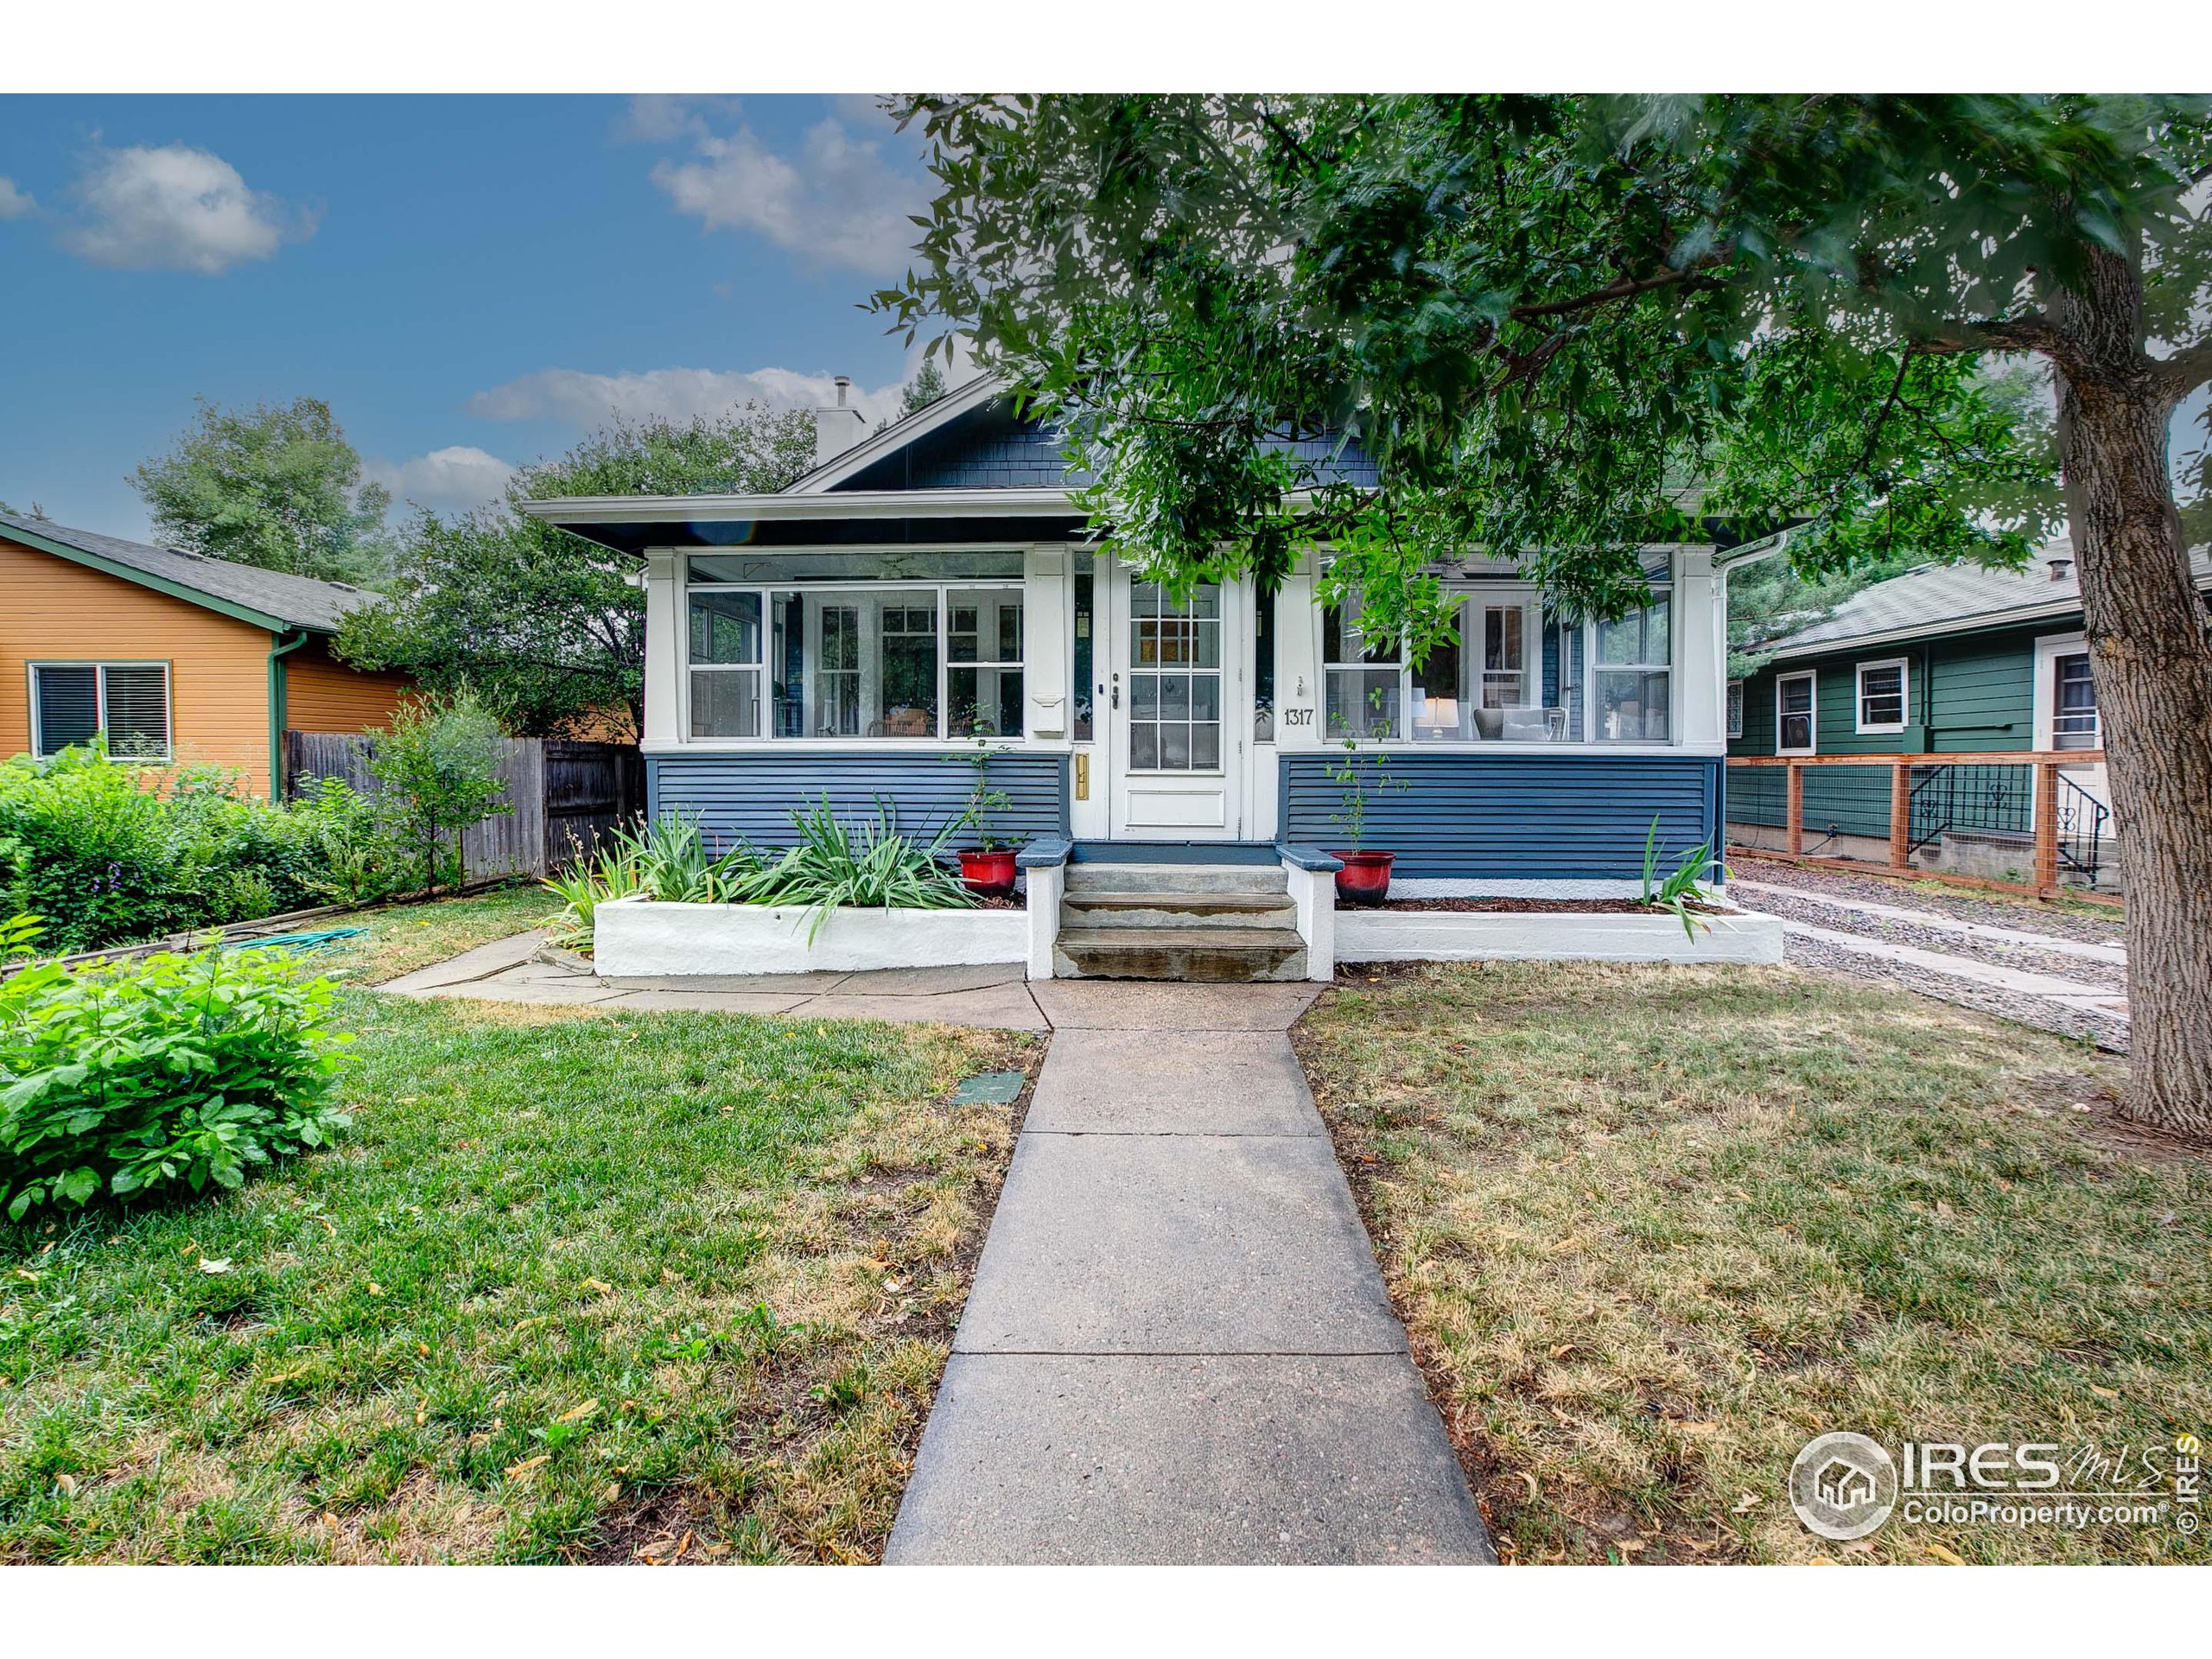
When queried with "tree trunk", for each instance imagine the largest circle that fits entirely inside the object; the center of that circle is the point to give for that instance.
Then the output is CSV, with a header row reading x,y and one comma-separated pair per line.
x,y
2151,660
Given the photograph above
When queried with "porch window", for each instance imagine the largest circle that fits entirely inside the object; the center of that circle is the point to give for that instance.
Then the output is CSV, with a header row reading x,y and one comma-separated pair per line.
x,y
877,660
724,665
2074,703
1882,696
71,702
1794,697
1735,709
1633,675
1485,685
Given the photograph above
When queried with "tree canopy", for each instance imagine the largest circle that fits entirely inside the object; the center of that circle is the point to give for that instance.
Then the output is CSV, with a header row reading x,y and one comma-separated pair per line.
x,y
273,486
1560,327
549,629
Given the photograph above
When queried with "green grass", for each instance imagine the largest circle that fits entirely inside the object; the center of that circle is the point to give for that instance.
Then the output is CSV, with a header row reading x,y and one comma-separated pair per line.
x,y
1653,1229
575,1286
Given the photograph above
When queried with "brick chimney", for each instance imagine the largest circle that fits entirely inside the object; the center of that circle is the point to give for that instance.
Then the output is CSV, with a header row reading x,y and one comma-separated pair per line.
x,y
837,428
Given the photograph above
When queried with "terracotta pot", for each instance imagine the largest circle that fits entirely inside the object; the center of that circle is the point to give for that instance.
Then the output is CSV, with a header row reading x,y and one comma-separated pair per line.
x,y
1366,877
989,875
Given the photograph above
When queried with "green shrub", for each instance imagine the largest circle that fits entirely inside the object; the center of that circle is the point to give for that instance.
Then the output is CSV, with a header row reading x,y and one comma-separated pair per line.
x,y
139,1078
438,764
111,852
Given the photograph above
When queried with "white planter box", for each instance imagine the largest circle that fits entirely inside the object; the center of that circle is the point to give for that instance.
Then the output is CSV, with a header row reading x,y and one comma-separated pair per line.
x,y
1520,936
636,937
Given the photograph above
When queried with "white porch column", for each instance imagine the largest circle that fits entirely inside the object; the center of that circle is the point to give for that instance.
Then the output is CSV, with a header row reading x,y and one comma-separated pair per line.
x,y
1701,649
664,645
1297,670
1046,625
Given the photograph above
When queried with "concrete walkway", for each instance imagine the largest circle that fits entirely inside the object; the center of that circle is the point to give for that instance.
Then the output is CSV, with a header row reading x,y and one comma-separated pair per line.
x,y
1177,1348
513,970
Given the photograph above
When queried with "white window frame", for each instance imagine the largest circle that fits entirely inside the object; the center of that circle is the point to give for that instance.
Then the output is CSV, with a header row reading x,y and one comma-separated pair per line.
x,y
1875,729
1576,702
766,591
2044,700
1732,706
1812,711
100,703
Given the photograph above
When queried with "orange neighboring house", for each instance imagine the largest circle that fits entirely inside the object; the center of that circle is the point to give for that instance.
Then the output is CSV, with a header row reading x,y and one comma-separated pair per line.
x,y
174,656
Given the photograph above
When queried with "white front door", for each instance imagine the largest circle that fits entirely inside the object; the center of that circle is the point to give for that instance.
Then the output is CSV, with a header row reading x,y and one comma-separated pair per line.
x,y
1175,711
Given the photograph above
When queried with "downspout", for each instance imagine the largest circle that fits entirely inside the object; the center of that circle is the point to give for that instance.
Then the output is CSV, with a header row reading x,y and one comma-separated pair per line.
x,y
278,650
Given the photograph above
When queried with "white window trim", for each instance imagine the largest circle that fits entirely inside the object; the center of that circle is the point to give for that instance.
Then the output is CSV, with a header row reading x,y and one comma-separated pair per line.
x,y
1581,708
1903,666
2043,703
767,739
99,702
1731,709
1812,711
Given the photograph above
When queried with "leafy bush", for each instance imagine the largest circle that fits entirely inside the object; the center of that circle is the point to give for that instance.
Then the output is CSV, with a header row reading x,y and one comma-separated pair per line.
x,y
110,853
438,761
141,1077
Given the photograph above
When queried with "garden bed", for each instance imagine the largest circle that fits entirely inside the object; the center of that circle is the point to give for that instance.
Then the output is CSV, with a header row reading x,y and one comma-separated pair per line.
x,y
644,938
1550,930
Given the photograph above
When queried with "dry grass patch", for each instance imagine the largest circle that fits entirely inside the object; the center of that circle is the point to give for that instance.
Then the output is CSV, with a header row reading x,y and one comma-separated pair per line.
x,y
1653,1229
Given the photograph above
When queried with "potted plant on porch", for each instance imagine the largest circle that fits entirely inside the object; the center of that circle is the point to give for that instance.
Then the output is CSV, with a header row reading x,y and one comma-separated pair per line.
x,y
1365,877
988,867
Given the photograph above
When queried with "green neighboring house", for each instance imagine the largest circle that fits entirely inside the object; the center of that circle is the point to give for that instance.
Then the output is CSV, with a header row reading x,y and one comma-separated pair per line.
x,y
1943,659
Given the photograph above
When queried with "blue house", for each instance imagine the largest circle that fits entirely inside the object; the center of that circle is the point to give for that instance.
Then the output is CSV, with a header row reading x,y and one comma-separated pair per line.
x,y
935,579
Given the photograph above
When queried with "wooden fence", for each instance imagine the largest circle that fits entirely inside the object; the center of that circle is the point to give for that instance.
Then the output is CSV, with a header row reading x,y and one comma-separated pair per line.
x,y
2046,764
565,796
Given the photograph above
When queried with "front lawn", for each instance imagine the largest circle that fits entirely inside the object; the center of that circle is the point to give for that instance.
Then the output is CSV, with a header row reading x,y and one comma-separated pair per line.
x,y
575,1286
1654,1229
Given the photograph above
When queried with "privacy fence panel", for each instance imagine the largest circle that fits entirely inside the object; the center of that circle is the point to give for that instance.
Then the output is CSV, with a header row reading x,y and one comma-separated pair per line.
x,y
564,796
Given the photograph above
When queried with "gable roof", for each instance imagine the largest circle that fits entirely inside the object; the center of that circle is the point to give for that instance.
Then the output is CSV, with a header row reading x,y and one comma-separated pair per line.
x,y
268,598
974,437
1937,599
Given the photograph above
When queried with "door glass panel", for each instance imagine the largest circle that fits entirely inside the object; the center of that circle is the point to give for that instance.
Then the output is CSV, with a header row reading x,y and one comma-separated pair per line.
x,y
1175,681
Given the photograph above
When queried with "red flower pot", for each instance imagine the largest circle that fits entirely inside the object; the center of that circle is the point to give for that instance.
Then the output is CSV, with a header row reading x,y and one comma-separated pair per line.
x,y
1366,877
989,875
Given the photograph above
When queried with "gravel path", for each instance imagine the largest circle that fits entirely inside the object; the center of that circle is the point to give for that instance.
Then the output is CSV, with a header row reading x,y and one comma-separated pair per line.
x,y
2026,914
2064,965
1922,928
2106,1031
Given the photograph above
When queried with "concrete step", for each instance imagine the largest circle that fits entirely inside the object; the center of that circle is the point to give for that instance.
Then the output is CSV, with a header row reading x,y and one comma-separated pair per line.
x,y
1208,954
1176,878
1193,910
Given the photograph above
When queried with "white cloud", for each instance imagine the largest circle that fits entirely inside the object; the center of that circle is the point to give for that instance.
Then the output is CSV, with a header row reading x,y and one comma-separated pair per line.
x,y
455,480
14,202
838,201
174,208
581,399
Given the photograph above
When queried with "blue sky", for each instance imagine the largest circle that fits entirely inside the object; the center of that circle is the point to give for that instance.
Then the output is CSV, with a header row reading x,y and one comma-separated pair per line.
x,y
470,282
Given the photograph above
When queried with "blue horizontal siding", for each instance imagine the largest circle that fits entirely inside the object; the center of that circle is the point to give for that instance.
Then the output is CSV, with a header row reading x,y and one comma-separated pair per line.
x,y
751,797
1464,816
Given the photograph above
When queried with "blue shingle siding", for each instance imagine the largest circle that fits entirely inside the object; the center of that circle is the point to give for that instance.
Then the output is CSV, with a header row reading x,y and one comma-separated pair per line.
x,y
988,449
1522,816
751,797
